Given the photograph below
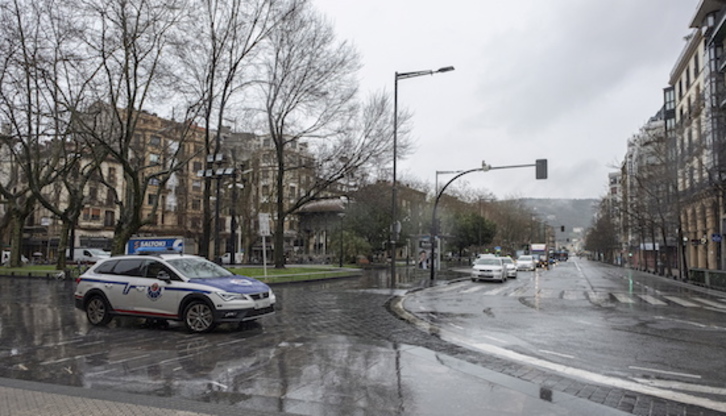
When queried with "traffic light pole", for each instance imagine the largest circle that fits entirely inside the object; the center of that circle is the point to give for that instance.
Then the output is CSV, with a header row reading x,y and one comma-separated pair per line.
x,y
541,173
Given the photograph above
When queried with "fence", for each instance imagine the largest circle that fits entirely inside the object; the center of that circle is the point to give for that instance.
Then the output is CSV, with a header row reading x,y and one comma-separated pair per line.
x,y
712,279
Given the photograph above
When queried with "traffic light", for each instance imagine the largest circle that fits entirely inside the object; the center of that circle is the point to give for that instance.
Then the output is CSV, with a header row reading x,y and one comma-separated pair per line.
x,y
541,168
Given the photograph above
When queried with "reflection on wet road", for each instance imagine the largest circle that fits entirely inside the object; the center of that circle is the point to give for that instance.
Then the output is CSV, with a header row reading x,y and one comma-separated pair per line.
x,y
328,345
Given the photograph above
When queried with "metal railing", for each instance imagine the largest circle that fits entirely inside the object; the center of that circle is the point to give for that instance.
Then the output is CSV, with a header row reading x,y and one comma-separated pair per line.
x,y
712,279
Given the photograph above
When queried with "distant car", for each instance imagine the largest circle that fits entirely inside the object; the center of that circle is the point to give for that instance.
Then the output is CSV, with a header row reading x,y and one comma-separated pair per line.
x,y
511,267
489,268
177,287
481,256
526,263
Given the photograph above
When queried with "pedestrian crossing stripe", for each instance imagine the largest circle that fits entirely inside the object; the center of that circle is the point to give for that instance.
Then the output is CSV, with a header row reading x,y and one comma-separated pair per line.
x,y
711,303
682,302
598,297
651,300
623,298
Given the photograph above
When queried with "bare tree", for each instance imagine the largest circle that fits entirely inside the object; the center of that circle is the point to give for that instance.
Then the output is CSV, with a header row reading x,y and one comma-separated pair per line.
x,y
128,42
37,48
650,209
226,34
310,93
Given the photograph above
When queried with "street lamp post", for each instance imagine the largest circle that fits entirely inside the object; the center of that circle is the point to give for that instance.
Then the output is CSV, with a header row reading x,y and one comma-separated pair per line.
x,y
340,252
395,226
216,173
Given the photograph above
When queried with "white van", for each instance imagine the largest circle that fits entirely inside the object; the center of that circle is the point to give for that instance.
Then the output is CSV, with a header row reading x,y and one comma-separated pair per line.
x,y
6,257
88,255
227,258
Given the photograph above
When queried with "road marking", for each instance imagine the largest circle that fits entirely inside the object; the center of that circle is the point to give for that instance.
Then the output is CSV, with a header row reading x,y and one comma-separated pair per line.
x,y
572,295
496,291
495,339
521,291
589,375
557,354
677,385
598,297
548,293
681,302
623,298
672,373
710,303
653,301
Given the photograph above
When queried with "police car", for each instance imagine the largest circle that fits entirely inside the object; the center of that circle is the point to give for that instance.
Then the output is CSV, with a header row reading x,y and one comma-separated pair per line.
x,y
176,287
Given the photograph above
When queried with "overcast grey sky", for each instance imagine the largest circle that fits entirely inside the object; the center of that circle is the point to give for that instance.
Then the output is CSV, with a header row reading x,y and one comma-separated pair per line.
x,y
566,80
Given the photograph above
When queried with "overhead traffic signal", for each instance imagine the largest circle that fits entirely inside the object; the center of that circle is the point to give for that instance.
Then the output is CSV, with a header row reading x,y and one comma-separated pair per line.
x,y
541,168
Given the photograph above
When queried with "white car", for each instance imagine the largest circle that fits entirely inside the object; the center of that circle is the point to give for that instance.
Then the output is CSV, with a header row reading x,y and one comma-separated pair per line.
x,y
511,267
489,268
526,263
176,287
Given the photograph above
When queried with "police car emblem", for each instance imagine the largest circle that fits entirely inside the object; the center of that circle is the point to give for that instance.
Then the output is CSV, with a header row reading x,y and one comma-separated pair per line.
x,y
154,291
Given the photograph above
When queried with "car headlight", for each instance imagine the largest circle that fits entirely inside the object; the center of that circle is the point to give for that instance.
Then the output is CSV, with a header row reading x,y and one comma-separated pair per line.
x,y
226,296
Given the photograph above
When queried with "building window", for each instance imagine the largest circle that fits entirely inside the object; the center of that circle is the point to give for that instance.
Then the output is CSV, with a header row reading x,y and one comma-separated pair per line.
x,y
197,185
155,141
696,69
154,158
196,166
96,214
154,181
109,219
197,204
110,199
112,175
153,198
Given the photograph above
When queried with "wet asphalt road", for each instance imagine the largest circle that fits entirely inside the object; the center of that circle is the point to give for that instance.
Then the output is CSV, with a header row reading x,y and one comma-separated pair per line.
x,y
342,328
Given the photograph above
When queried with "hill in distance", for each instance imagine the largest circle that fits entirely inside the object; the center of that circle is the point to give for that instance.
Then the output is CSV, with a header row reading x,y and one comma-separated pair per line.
x,y
572,213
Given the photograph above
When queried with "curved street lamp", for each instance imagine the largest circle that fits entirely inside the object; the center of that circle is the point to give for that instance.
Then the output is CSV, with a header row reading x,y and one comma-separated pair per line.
x,y
540,166
395,226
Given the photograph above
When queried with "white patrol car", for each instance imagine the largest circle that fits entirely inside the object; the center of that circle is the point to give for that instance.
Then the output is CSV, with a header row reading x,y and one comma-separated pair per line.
x,y
177,287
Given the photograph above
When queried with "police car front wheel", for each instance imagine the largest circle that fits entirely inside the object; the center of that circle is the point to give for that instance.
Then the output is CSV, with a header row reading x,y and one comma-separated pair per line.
x,y
199,317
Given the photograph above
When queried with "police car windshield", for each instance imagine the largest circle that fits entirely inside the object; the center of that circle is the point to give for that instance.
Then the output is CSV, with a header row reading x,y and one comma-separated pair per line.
x,y
198,268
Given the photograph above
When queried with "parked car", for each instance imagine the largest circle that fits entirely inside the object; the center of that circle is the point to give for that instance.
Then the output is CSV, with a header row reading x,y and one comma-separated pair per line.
x,y
6,257
526,263
87,255
489,268
228,259
178,287
510,266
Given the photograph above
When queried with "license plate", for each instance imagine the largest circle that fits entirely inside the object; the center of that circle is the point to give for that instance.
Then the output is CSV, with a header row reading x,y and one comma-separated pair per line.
x,y
264,303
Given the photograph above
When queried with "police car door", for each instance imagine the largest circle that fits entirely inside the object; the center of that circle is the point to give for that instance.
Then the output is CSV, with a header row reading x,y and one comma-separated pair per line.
x,y
162,291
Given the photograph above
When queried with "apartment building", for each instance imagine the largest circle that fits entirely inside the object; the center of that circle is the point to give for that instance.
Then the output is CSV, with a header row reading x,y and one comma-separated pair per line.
x,y
177,196
684,197
698,140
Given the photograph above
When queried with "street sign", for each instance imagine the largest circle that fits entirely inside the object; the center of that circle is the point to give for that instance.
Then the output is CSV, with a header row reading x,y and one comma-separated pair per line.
x,y
264,220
